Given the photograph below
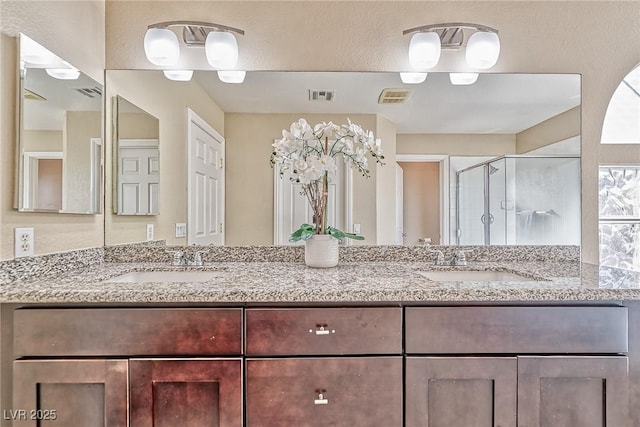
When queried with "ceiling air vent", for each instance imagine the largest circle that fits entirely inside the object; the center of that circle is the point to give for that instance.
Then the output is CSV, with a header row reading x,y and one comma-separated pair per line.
x,y
91,92
32,96
393,96
321,95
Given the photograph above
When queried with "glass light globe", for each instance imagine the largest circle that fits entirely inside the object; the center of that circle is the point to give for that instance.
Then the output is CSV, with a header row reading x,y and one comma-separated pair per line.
x,y
483,49
413,78
178,75
221,49
232,76
424,50
463,78
63,73
161,46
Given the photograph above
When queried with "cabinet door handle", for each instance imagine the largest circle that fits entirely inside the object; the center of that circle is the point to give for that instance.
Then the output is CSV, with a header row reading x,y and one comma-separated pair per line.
x,y
321,400
322,330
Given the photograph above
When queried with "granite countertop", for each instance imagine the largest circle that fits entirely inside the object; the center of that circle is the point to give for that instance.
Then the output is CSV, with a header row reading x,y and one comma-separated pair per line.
x,y
282,282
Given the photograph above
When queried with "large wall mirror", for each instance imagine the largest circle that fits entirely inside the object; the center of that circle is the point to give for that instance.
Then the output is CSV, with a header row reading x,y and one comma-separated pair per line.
x,y
60,149
137,159
492,162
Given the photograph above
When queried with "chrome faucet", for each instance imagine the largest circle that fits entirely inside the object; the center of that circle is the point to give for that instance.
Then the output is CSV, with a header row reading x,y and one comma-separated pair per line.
x,y
459,258
180,259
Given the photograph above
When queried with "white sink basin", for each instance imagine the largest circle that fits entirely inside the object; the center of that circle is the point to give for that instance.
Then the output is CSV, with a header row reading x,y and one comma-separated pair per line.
x,y
165,276
473,276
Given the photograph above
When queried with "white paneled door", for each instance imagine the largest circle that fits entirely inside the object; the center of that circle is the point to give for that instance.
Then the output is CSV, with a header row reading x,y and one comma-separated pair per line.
x,y
206,184
138,177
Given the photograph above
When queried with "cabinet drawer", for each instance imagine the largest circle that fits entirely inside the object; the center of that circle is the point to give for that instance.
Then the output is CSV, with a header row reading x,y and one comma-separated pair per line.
x,y
365,391
127,332
323,331
510,330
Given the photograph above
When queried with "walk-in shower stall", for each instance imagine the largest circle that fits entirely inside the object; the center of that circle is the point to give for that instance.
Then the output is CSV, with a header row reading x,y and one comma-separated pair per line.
x,y
519,200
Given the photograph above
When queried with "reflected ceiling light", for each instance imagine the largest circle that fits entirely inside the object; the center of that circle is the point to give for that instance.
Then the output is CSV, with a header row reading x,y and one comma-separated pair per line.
x,y
482,44
34,53
413,78
178,75
63,73
232,76
463,78
162,47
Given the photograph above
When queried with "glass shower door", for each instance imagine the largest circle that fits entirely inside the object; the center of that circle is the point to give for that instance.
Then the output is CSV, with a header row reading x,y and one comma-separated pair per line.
x,y
471,206
496,214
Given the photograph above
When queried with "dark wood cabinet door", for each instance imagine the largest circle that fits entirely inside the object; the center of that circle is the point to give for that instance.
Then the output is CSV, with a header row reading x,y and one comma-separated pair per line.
x,y
460,392
185,392
324,392
572,391
69,393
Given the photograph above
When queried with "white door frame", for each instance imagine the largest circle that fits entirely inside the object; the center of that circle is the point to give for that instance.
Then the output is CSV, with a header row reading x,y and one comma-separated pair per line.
x,y
443,159
193,117
277,203
28,174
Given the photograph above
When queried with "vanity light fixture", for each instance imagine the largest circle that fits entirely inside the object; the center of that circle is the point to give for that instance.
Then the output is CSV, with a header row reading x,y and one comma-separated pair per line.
x,y
482,44
178,75
413,78
70,73
463,78
34,53
162,47
231,76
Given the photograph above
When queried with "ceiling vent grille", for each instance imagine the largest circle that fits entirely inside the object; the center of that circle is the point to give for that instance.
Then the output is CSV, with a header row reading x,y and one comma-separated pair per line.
x,y
32,96
91,92
394,96
321,95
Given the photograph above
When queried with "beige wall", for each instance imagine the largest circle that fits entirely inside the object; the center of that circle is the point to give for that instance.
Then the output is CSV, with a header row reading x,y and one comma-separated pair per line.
x,y
385,197
556,129
421,201
249,176
168,102
456,144
80,127
138,126
42,140
75,31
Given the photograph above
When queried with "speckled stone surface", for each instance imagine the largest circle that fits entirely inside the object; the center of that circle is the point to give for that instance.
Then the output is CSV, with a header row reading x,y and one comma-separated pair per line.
x,y
158,253
350,282
44,265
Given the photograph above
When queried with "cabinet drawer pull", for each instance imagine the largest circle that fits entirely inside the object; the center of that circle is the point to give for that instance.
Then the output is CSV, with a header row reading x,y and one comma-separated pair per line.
x,y
322,330
321,400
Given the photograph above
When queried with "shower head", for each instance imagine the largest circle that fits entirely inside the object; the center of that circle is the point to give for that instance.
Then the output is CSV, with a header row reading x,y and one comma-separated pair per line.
x,y
493,169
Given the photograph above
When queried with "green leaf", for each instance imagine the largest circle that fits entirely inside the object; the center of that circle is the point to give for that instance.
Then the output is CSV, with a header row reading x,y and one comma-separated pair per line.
x,y
303,233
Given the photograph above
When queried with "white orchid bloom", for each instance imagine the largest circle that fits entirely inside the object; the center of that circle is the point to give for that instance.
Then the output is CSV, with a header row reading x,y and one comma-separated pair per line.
x,y
328,164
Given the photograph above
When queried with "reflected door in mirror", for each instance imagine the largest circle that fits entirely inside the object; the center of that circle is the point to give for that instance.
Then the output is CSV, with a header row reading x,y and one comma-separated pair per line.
x,y
139,177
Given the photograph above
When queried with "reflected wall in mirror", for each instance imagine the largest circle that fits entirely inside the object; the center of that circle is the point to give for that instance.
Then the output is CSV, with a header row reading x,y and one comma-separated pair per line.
x,y
60,165
137,159
437,131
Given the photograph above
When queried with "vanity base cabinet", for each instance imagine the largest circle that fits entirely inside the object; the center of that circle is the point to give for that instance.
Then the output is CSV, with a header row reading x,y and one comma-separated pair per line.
x,y
70,393
322,392
461,391
572,391
186,392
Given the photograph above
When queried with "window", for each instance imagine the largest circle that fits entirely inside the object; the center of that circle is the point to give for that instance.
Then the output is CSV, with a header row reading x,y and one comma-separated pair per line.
x,y
622,121
619,225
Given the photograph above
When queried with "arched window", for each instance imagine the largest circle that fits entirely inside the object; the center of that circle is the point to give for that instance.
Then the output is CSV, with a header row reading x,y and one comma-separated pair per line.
x,y
619,186
622,121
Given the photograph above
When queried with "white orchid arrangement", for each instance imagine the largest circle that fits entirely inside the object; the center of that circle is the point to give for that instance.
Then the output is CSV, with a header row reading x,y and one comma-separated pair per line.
x,y
310,154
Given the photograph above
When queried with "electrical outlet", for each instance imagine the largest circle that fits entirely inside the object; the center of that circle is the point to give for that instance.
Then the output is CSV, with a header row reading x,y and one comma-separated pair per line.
x,y
149,232
181,229
356,228
24,242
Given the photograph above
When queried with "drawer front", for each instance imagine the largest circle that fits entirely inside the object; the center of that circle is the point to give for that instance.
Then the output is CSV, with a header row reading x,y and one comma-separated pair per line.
x,y
124,332
511,330
365,391
324,331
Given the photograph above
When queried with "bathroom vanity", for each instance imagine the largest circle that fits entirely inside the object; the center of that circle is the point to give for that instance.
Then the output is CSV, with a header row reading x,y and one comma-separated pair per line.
x,y
364,344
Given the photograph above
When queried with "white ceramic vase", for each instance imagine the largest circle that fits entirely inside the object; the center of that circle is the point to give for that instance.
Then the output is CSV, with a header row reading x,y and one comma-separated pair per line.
x,y
321,251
